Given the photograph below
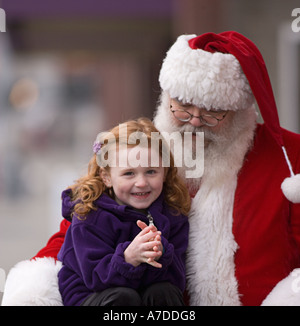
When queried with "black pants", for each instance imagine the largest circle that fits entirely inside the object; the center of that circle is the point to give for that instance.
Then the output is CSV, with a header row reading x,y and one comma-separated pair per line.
x,y
158,294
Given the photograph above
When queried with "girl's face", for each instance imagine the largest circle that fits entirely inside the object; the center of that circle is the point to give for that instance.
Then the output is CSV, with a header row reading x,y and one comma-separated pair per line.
x,y
135,186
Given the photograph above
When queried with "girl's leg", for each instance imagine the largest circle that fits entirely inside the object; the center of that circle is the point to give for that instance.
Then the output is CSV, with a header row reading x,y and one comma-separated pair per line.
x,y
162,294
118,296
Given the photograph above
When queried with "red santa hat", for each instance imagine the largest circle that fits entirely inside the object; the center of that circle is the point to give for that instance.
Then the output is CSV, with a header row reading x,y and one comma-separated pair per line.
x,y
225,71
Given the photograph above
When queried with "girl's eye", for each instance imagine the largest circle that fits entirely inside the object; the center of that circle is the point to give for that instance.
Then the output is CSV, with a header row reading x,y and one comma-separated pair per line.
x,y
151,171
128,173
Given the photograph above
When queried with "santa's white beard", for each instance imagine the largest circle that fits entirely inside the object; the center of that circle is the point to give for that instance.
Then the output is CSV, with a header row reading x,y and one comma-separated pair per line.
x,y
210,255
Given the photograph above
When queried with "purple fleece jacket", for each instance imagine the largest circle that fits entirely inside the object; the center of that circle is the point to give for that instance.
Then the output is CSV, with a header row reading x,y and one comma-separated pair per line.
x,y
93,251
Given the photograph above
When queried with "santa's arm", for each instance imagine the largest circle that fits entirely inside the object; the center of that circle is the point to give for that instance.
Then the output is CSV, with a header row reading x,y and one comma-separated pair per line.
x,y
55,242
34,282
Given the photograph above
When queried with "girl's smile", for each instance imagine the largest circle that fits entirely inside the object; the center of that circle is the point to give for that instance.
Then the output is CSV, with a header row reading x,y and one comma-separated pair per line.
x,y
141,195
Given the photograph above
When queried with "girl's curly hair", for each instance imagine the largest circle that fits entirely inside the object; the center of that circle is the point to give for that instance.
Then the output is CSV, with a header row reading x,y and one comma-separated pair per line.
x,y
88,188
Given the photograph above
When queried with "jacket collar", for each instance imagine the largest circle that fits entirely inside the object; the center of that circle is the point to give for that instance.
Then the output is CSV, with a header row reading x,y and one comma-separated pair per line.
x,y
125,211
107,203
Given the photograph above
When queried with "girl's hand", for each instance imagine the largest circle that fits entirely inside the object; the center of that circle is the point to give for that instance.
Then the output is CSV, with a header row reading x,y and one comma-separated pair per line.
x,y
145,247
159,248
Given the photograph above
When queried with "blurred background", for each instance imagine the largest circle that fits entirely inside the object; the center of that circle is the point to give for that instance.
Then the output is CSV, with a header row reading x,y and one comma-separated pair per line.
x,y
70,69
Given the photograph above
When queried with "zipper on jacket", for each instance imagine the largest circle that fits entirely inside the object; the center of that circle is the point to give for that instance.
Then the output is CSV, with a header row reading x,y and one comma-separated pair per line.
x,y
150,218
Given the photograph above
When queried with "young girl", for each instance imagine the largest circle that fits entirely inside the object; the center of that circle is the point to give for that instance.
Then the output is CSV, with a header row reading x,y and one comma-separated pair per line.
x,y
129,233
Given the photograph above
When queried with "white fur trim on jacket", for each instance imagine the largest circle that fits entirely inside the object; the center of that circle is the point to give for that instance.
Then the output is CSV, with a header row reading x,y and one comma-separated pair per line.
x,y
211,279
33,283
286,292
210,259
209,80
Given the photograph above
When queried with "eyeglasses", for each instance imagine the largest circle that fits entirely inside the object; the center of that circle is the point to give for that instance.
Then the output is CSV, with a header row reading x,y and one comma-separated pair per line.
x,y
206,119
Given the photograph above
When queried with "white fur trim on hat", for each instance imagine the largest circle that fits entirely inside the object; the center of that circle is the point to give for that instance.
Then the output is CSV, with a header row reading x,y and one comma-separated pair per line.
x,y
209,80
33,283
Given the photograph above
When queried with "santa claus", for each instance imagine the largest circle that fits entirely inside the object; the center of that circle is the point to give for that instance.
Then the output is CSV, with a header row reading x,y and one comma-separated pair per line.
x,y
244,243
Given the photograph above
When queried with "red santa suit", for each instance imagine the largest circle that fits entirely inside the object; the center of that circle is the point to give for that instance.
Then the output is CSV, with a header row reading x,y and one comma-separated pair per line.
x,y
266,226
244,244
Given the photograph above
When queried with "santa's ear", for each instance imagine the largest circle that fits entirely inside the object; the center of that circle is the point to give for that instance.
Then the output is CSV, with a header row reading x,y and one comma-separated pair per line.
x,y
105,176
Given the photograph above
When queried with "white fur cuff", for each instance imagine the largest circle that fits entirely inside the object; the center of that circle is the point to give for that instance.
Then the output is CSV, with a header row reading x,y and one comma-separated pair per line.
x,y
286,292
33,283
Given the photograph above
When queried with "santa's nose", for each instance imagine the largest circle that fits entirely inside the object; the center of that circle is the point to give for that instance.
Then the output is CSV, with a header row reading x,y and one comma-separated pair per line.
x,y
196,121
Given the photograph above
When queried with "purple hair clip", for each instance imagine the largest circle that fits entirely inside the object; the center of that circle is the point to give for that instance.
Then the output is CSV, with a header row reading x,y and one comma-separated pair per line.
x,y
97,147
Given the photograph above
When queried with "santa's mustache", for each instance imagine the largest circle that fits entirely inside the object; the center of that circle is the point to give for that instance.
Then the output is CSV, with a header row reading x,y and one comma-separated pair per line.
x,y
208,133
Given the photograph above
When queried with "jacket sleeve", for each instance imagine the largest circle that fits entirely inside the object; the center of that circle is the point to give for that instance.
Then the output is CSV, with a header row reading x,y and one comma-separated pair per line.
x,y
100,264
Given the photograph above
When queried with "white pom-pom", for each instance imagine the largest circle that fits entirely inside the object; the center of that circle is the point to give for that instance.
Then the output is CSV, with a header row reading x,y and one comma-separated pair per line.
x,y
291,188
